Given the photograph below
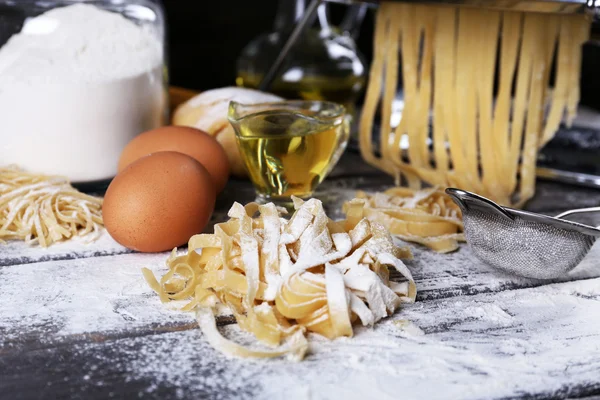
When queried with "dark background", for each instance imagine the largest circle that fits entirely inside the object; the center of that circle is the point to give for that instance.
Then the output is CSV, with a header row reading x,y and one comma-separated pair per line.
x,y
206,37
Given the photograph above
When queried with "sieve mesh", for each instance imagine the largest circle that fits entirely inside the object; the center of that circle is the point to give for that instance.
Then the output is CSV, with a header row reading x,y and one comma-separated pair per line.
x,y
527,248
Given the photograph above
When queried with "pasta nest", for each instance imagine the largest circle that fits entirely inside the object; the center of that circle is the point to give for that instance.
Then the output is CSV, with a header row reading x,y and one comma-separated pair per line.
x,y
43,209
282,279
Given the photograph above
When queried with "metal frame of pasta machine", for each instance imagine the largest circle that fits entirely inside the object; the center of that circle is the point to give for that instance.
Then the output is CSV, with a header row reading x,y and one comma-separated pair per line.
x,y
591,7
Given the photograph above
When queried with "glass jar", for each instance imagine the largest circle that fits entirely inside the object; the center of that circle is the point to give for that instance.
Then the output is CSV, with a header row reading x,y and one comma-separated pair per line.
x,y
324,63
78,80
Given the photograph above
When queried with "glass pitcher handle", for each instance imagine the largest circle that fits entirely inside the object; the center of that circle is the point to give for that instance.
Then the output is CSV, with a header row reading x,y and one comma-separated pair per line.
x,y
353,19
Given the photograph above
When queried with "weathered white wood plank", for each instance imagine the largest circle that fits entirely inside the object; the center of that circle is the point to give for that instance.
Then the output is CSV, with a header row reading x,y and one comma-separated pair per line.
x,y
542,341
16,252
54,300
536,343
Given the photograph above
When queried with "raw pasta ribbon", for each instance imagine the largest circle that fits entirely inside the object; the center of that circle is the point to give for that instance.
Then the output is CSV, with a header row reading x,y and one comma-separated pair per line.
x,y
284,278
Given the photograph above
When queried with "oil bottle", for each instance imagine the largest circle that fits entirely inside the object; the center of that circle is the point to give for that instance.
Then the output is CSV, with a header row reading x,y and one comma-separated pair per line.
x,y
323,65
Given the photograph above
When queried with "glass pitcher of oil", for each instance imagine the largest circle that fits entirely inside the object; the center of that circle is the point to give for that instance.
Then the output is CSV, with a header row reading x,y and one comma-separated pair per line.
x,y
289,147
325,63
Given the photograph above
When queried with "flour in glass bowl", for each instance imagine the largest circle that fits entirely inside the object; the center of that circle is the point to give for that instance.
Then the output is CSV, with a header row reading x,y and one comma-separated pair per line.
x,y
76,85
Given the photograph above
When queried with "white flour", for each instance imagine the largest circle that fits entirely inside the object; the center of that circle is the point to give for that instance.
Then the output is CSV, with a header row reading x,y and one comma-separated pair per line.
x,y
76,85
16,252
100,294
526,341
489,345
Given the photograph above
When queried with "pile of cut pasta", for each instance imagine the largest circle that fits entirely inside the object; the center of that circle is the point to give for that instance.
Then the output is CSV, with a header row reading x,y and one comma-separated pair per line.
x,y
483,80
283,278
45,209
428,217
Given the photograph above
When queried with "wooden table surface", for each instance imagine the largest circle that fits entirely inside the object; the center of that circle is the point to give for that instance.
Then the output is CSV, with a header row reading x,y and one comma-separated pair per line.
x,y
78,321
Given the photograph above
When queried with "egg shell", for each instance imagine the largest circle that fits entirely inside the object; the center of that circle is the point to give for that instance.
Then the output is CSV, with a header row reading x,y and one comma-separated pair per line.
x,y
158,202
193,142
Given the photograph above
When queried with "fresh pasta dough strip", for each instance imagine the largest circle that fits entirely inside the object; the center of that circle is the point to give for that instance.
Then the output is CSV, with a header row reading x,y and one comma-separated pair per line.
x,y
206,321
561,86
534,108
488,32
550,41
396,153
381,47
446,53
389,91
441,244
415,124
337,302
511,32
521,99
443,36
409,70
426,21
580,28
465,91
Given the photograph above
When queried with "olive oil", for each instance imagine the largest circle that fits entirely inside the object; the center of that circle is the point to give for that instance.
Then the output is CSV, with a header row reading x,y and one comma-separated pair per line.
x,y
288,153
342,89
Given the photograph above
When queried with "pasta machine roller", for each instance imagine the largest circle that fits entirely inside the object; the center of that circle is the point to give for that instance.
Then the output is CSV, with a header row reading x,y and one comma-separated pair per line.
x,y
524,243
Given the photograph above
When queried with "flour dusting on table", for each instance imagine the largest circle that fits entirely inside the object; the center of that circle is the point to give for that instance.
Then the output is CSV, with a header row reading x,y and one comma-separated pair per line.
x,y
510,343
16,252
101,294
541,340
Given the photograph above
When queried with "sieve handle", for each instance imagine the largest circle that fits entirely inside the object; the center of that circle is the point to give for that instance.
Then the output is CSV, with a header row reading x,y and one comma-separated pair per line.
x,y
578,211
470,201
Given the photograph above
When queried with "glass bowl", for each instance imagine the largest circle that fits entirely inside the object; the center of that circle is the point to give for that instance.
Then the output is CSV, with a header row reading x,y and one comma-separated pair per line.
x,y
289,147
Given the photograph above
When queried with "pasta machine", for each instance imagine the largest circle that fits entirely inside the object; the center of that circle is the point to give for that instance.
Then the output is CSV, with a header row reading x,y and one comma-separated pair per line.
x,y
359,7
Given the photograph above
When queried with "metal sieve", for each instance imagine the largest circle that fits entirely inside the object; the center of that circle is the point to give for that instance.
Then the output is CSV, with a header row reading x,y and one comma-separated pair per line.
x,y
524,243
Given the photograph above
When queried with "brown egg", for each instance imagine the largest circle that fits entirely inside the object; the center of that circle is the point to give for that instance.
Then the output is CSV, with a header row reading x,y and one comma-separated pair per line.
x,y
193,142
159,202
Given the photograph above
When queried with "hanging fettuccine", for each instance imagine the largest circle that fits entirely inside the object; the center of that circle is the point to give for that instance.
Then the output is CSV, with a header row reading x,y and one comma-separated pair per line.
x,y
482,139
